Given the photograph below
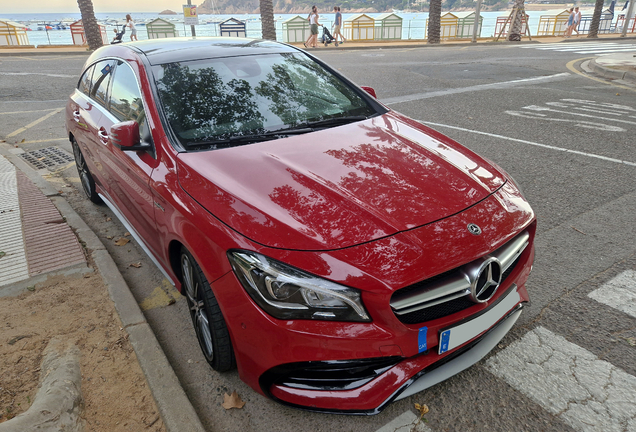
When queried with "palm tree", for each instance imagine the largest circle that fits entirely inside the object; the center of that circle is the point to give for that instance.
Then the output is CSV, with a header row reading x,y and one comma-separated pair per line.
x,y
267,19
516,24
596,19
91,28
434,16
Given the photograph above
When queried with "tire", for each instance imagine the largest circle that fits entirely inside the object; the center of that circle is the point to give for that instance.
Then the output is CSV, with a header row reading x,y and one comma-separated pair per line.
x,y
208,321
86,178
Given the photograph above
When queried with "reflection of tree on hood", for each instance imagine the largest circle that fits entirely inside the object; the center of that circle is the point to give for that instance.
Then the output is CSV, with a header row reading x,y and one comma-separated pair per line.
x,y
197,100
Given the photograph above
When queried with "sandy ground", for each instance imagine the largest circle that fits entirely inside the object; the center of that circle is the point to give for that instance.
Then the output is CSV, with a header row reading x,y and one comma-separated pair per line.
x,y
78,310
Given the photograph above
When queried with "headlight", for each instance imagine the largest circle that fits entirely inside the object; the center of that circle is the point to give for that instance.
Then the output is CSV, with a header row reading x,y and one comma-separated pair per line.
x,y
285,292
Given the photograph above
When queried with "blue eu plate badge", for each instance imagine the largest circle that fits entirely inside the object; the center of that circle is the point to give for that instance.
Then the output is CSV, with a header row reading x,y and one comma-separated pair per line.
x,y
421,339
444,338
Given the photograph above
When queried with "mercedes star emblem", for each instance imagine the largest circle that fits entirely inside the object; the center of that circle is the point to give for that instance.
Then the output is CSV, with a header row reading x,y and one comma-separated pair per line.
x,y
485,284
474,229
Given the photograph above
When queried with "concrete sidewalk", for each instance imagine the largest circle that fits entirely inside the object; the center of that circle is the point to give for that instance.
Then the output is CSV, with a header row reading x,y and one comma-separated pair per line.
x,y
42,236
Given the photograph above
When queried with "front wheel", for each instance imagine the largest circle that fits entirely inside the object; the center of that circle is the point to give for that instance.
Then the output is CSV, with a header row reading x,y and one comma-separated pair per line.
x,y
206,315
86,178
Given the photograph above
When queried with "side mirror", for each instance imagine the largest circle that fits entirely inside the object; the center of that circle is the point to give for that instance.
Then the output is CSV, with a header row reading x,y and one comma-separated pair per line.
x,y
125,136
369,90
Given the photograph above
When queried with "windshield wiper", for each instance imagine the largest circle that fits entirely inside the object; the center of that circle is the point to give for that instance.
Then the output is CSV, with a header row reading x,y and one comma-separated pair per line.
x,y
248,139
334,121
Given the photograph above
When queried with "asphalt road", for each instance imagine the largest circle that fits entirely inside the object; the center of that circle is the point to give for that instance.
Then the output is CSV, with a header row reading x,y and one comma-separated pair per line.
x,y
568,141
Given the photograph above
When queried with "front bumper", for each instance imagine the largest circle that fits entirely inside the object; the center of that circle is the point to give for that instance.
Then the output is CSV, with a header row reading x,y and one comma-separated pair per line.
x,y
406,377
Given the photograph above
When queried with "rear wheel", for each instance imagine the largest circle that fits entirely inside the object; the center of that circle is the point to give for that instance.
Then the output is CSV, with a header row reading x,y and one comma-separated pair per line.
x,y
206,315
86,178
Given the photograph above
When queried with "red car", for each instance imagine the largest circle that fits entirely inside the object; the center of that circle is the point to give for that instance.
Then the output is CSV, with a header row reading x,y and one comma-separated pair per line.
x,y
340,254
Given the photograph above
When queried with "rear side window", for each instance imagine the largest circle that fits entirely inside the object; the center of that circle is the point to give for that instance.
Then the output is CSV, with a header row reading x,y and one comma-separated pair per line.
x,y
101,79
85,81
125,96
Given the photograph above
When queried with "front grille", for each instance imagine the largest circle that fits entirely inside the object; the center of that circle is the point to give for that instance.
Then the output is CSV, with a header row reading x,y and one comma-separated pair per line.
x,y
439,311
449,292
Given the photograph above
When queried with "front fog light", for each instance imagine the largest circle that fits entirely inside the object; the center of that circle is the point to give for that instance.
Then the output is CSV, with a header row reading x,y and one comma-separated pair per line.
x,y
285,292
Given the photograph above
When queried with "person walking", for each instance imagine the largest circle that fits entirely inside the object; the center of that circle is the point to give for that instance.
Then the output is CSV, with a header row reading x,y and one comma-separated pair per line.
x,y
312,40
133,30
568,30
577,21
337,24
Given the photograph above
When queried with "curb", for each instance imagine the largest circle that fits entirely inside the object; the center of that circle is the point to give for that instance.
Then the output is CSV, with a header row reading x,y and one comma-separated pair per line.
x,y
175,408
614,74
58,403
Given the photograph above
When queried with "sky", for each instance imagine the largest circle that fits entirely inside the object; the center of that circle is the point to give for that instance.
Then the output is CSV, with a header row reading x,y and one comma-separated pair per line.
x,y
54,6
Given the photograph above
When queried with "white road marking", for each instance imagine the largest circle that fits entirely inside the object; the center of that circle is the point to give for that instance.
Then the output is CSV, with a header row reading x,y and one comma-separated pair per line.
x,y
619,161
584,47
619,293
581,123
589,394
36,73
406,422
610,51
30,125
595,117
491,86
13,265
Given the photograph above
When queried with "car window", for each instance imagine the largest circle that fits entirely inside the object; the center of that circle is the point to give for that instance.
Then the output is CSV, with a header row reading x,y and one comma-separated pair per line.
x,y
101,79
222,98
125,96
85,81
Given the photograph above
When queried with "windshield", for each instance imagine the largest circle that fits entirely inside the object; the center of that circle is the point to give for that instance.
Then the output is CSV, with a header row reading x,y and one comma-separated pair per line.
x,y
222,102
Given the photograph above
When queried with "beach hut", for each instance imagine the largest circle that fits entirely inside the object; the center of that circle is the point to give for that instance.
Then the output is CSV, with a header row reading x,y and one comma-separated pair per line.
x,y
448,26
13,33
553,23
360,27
466,23
160,29
503,23
79,37
388,26
233,28
295,29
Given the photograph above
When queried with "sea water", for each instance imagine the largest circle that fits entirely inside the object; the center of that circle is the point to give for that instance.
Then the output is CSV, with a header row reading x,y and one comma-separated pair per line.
x,y
413,24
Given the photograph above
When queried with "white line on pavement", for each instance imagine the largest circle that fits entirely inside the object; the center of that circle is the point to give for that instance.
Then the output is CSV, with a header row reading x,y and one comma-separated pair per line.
x,y
491,86
606,51
533,143
406,422
589,394
619,293
36,73
595,117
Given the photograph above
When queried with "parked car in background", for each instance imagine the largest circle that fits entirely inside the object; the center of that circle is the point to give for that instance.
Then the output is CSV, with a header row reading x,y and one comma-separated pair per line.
x,y
340,254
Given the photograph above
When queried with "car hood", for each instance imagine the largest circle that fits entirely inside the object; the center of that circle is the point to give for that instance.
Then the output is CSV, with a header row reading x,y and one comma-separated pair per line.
x,y
338,187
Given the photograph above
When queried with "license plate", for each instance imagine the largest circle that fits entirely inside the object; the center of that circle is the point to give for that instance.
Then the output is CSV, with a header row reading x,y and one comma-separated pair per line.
x,y
455,336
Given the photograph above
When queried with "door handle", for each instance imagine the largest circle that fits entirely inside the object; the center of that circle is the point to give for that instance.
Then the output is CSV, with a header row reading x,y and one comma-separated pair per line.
x,y
103,135
76,116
